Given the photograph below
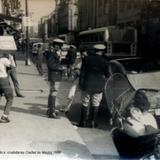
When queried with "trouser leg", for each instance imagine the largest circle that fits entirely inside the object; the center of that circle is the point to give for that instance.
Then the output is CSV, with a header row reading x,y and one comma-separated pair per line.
x,y
52,100
95,103
94,113
83,116
51,103
39,68
13,75
9,101
84,109
8,93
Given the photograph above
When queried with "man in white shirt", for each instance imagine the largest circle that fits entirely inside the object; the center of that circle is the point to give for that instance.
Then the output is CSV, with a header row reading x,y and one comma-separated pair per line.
x,y
5,88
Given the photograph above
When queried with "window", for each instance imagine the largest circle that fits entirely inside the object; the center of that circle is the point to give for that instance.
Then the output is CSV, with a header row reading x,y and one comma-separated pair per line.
x,y
101,36
122,5
135,4
106,7
99,3
128,5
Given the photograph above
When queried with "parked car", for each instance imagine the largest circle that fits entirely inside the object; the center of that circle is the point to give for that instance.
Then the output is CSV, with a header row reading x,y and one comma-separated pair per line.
x,y
142,73
64,51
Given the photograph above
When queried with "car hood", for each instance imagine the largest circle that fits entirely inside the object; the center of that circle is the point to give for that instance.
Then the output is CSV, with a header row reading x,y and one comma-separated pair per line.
x,y
150,80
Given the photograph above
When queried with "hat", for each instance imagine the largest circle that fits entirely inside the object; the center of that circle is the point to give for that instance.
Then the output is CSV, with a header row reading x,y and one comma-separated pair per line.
x,y
57,40
73,46
99,46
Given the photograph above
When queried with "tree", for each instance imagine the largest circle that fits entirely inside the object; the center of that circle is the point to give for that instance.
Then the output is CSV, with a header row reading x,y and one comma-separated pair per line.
x,y
11,7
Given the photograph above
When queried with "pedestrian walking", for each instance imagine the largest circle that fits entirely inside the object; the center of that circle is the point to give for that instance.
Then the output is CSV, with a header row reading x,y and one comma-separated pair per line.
x,y
93,74
5,88
13,74
39,59
54,75
75,79
70,59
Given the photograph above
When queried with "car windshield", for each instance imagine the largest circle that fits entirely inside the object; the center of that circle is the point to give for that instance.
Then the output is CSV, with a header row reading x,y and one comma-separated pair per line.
x,y
140,65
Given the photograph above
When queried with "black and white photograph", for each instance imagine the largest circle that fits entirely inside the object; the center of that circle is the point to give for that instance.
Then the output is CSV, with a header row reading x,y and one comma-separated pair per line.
x,y
79,79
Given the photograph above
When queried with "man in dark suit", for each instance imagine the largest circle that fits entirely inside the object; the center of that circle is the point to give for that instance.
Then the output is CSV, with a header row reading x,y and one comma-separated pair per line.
x,y
93,74
54,75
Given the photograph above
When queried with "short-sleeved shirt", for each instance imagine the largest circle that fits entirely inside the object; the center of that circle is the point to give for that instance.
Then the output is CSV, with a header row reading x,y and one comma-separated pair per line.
x,y
4,63
11,58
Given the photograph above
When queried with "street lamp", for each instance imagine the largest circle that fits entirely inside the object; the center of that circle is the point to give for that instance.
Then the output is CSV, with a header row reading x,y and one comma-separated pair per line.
x,y
27,58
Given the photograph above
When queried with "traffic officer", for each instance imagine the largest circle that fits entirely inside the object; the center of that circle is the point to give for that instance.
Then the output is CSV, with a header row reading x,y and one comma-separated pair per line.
x,y
94,71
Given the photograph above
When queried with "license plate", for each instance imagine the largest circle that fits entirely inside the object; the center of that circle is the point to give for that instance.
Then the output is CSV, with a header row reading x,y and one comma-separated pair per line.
x,y
157,112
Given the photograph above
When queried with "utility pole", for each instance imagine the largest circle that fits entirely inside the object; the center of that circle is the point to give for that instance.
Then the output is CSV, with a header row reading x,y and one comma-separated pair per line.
x,y
27,58
95,14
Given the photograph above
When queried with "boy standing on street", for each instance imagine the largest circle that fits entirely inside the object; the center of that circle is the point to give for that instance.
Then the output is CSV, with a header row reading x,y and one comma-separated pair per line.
x,y
5,88
54,75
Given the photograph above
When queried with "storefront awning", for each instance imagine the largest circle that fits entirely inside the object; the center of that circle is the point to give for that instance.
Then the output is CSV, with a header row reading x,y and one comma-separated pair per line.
x,y
14,19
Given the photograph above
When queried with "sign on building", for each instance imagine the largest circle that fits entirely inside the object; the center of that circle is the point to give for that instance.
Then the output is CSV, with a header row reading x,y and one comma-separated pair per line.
x,y
7,44
27,21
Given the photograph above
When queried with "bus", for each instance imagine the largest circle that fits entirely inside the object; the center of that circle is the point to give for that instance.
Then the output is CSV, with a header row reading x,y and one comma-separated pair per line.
x,y
118,41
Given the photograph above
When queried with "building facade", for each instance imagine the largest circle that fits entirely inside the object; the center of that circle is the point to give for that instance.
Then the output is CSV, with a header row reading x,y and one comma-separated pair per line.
x,y
67,15
145,16
61,22
96,13
72,16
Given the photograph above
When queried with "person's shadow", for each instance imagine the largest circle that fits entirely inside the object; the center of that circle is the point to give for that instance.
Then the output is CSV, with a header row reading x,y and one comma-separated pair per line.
x,y
35,109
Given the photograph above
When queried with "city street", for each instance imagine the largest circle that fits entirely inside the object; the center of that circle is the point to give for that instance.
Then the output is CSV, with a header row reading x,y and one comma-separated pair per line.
x,y
100,46
32,135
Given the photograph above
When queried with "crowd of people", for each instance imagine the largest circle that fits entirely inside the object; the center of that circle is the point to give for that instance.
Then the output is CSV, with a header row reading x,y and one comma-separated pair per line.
x,y
86,71
89,72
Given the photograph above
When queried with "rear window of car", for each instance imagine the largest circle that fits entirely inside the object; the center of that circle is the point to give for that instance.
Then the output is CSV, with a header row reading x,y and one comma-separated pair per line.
x,y
140,65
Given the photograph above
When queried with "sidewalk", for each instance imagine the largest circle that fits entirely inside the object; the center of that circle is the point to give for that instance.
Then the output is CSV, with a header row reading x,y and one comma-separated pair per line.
x,y
30,134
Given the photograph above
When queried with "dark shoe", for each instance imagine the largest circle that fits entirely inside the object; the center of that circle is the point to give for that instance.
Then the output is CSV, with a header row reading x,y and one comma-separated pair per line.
x,y
20,95
57,112
54,116
94,124
82,124
48,112
4,120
